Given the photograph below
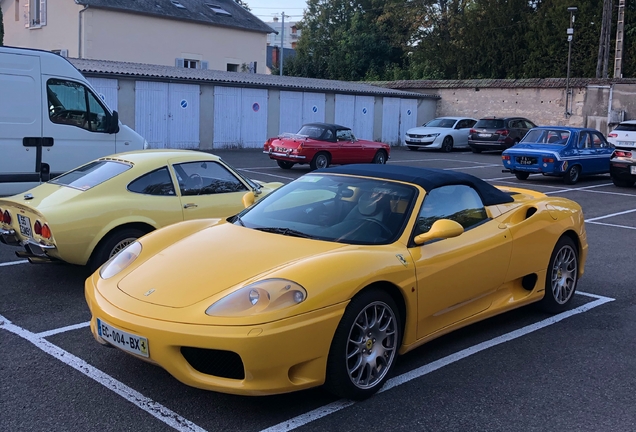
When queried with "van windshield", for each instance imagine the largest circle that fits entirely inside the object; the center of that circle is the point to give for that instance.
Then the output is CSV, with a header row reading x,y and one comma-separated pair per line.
x,y
92,174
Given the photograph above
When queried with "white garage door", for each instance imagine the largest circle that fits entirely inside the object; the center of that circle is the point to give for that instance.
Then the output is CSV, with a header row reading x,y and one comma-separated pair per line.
x,y
240,117
408,116
183,115
363,117
391,120
254,118
107,90
345,107
313,107
291,111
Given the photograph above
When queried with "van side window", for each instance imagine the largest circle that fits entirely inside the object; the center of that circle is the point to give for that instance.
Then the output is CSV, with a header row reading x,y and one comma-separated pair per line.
x,y
71,103
157,182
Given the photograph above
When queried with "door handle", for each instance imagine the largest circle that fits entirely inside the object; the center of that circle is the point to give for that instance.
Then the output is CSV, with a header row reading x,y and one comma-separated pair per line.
x,y
189,205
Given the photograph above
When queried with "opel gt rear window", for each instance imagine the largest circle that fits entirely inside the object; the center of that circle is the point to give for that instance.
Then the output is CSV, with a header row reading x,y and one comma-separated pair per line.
x,y
92,174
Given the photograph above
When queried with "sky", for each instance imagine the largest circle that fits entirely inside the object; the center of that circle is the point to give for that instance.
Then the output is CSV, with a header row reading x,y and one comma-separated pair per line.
x,y
267,9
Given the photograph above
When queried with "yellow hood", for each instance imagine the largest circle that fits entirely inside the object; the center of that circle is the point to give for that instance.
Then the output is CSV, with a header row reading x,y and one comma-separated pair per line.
x,y
213,260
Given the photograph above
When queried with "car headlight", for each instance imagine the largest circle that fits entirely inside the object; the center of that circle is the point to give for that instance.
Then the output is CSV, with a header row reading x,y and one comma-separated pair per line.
x,y
432,135
120,261
262,296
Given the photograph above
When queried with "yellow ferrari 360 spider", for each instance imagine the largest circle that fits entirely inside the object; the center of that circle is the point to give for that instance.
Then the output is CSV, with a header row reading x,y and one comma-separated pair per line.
x,y
345,268
89,214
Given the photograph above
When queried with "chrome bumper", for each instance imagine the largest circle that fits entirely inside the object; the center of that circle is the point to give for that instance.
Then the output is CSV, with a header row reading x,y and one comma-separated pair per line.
x,y
292,156
8,237
35,252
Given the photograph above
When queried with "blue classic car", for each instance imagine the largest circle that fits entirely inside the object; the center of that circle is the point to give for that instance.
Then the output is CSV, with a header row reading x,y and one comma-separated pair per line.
x,y
562,151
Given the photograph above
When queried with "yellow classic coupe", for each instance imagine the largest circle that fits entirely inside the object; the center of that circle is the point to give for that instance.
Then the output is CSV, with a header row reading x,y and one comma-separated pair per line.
x,y
87,215
348,267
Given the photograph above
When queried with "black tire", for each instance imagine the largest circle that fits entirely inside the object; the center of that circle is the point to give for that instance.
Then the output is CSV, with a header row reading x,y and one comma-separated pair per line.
x,y
447,144
284,164
561,276
622,183
572,175
522,175
380,157
320,160
345,353
111,244
475,150
412,148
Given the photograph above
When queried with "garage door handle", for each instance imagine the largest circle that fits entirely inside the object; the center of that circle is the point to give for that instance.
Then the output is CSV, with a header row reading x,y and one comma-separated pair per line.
x,y
190,205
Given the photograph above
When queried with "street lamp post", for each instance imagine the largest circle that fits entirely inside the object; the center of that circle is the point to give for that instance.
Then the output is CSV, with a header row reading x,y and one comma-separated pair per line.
x,y
568,96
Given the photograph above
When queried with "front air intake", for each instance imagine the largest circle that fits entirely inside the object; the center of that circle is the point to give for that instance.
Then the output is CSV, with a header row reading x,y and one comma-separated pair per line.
x,y
224,364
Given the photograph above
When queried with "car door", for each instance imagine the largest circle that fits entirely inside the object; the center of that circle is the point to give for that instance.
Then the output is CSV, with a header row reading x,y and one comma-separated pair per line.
x,y
587,153
208,189
76,119
157,199
460,134
457,277
348,148
603,152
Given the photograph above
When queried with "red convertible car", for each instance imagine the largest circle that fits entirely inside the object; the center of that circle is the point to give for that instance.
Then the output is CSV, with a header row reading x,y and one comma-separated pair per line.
x,y
323,144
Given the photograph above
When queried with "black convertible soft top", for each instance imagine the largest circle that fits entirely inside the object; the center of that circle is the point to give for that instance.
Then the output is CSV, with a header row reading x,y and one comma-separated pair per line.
x,y
427,178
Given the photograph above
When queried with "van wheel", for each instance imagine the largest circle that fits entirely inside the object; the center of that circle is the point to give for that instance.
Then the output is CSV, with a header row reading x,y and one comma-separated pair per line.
x,y
110,245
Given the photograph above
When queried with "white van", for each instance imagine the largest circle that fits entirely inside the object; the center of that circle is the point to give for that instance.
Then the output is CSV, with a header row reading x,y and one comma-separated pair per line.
x,y
51,120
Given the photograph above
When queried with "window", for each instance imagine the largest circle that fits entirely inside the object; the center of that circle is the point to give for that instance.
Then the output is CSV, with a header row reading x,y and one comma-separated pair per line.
x,y
490,124
206,178
584,141
177,4
92,174
232,67
191,64
547,136
597,140
344,135
458,202
157,182
17,10
630,127
529,124
36,13
465,124
71,103
218,9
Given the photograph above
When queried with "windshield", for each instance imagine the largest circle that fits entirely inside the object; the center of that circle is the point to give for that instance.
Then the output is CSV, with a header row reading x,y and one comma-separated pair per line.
x,y
92,174
344,209
312,131
546,136
441,123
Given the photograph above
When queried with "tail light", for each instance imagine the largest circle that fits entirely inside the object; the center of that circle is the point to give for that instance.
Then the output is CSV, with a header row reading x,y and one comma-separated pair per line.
x,y
621,153
37,227
613,135
505,157
472,131
503,132
548,160
46,231
6,217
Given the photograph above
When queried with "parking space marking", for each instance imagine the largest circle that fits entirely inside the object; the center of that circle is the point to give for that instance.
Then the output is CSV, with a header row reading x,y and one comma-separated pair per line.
x,y
612,225
10,263
611,193
63,329
610,215
331,408
584,188
262,173
153,408
443,160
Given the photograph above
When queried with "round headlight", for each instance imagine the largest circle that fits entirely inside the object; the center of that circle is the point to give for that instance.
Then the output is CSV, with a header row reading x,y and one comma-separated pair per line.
x,y
260,297
120,261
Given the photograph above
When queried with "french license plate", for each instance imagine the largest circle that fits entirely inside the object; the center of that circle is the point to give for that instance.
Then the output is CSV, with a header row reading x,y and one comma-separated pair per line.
x,y
526,161
626,143
484,135
127,341
632,169
25,226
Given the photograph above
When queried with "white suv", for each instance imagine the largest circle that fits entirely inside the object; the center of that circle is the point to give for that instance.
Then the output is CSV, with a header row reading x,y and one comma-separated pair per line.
x,y
623,135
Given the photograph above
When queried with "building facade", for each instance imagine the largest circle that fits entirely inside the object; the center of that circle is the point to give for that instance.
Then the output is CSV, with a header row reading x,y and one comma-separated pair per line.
x,y
290,38
218,34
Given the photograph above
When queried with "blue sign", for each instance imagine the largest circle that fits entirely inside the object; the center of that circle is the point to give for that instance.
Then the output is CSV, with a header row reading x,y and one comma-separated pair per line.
x,y
408,112
256,107
314,108
184,103
101,95
364,110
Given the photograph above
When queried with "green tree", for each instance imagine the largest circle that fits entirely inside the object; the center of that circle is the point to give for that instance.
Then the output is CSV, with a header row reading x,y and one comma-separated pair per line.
x,y
243,4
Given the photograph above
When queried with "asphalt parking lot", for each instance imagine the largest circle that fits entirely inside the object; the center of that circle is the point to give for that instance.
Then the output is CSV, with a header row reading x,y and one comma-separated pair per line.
x,y
521,371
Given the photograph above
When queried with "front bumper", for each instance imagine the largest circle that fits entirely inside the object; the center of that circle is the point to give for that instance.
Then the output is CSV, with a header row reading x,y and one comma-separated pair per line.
x,y
278,357
433,143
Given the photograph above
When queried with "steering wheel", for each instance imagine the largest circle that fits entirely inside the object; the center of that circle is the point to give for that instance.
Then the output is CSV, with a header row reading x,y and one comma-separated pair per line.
x,y
57,111
195,181
384,228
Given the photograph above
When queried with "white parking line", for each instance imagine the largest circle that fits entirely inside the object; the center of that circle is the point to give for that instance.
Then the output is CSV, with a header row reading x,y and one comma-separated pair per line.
x,y
579,188
331,408
443,160
610,215
63,329
10,263
612,225
153,408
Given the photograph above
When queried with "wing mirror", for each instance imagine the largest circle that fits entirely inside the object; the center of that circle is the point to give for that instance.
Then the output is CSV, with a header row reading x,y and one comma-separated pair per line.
x,y
113,123
441,229
248,199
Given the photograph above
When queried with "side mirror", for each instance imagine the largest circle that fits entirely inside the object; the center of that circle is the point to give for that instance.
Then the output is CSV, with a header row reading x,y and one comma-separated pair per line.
x,y
441,229
248,199
113,123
